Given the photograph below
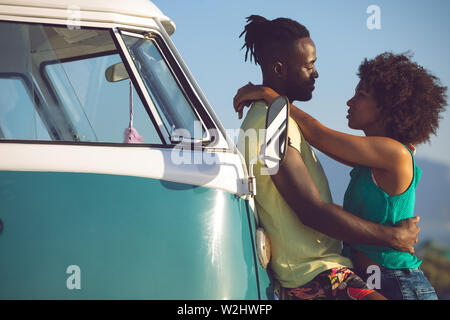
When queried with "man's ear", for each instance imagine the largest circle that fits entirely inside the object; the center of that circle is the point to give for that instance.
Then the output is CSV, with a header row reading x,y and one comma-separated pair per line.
x,y
279,69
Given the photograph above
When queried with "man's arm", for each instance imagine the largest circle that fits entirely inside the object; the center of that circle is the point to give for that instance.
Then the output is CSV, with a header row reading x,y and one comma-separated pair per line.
x,y
295,184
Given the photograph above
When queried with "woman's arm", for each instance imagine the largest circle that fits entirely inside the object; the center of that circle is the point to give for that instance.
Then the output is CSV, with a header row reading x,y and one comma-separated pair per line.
x,y
347,163
375,152
295,184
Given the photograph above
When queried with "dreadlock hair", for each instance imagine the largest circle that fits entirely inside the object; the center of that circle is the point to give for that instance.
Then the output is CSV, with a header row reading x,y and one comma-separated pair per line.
x,y
263,37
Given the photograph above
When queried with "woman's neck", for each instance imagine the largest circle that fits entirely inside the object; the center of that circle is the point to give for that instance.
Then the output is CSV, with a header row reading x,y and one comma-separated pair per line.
x,y
375,131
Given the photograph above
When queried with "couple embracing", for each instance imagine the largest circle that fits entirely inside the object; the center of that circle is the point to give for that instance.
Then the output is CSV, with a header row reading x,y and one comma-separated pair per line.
x,y
321,250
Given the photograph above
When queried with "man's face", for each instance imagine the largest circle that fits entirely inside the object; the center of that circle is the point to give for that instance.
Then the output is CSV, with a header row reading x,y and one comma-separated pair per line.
x,y
301,72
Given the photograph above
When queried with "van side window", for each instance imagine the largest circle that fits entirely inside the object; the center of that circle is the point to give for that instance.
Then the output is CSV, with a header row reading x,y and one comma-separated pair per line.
x,y
19,119
70,98
98,109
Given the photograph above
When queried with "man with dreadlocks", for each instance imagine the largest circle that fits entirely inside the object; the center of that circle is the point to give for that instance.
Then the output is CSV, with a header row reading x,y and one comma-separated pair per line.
x,y
306,255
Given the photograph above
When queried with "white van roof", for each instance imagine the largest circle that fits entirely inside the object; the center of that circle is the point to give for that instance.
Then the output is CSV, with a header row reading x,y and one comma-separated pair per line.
x,y
128,12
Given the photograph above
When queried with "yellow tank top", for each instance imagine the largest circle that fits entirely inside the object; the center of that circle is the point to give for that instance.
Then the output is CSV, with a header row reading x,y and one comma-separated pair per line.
x,y
299,253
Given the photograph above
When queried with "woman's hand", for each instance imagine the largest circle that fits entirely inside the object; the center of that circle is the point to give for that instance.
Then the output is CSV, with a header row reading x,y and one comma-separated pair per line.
x,y
249,93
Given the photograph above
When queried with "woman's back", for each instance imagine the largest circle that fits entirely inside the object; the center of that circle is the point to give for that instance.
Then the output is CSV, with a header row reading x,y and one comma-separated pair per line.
x,y
367,200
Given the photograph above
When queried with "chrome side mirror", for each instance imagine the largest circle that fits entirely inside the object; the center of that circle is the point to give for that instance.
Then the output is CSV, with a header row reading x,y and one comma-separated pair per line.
x,y
274,148
116,72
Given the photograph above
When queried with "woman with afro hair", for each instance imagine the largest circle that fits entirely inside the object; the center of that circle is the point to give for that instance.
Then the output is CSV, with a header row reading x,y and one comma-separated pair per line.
x,y
397,104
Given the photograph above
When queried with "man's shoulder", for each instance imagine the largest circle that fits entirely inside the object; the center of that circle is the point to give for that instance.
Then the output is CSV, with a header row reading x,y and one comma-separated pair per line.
x,y
256,115
295,135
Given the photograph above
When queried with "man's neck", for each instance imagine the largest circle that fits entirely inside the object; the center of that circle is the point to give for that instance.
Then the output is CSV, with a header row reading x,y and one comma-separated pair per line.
x,y
277,87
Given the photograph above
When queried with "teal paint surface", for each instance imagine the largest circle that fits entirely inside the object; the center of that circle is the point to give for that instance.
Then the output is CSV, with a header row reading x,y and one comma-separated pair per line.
x,y
132,238
266,288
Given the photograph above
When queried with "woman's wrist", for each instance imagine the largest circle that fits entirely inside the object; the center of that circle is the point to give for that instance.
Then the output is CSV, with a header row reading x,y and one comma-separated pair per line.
x,y
269,94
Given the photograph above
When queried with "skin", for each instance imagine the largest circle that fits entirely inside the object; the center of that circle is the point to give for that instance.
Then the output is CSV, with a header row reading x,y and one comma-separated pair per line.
x,y
294,75
299,73
293,179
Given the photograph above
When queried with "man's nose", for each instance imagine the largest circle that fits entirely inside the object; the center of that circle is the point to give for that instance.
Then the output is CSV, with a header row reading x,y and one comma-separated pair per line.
x,y
315,74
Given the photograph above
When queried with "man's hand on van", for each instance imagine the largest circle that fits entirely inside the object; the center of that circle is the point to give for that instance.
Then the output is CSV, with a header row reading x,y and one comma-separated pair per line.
x,y
405,234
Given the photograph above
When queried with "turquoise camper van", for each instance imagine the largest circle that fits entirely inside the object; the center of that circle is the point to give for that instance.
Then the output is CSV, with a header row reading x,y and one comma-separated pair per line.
x,y
117,180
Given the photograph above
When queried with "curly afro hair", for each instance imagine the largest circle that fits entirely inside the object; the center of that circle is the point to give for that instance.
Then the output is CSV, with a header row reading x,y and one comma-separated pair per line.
x,y
410,98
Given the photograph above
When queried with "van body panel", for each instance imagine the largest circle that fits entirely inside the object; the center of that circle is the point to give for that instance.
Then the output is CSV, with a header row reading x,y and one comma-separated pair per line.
x,y
265,281
131,237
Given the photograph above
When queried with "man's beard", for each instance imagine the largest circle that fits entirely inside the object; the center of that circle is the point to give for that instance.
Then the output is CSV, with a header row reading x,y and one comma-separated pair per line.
x,y
303,93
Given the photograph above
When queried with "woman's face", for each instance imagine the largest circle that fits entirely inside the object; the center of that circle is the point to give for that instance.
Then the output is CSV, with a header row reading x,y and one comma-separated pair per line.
x,y
363,112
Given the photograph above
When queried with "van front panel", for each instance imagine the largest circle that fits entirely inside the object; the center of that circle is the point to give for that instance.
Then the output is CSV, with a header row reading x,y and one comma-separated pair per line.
x,y
99,236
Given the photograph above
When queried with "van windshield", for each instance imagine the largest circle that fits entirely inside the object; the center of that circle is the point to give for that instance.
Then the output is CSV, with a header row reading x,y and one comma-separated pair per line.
x,y
166,93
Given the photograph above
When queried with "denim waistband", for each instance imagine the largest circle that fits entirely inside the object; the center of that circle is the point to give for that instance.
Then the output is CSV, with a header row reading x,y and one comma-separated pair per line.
x,y
403,270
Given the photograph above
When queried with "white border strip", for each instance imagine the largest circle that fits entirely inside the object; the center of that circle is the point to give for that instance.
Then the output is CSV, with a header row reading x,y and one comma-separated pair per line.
x,y
225,173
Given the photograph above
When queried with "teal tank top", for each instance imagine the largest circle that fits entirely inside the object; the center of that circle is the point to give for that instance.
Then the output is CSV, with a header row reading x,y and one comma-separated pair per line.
x,y
366,200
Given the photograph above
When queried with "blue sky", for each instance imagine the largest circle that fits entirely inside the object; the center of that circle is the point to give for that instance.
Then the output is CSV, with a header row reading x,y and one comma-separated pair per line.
x,y
207,37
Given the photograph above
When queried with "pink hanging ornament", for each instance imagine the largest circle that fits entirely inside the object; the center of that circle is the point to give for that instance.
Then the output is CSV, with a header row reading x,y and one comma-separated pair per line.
x,y
131,134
